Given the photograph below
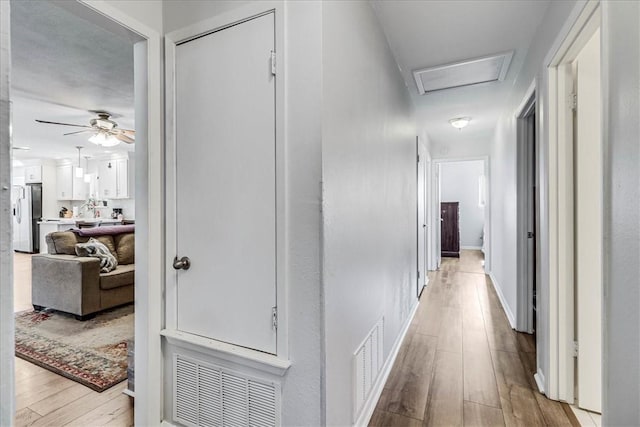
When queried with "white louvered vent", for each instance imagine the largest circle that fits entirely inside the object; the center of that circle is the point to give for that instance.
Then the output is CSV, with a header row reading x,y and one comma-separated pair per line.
x,y
367,363
465,73
209,395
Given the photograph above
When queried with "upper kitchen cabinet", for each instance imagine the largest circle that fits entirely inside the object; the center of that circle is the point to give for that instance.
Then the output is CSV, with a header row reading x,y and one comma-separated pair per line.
x,y
68,186
64,182
113,179
33,174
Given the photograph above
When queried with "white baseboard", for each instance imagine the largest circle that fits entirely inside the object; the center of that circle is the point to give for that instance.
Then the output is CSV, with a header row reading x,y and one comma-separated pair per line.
x,y
370,405
475,248
539,377
505,306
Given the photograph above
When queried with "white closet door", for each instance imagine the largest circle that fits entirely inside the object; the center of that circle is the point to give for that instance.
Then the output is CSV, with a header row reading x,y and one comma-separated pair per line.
x,y
226,184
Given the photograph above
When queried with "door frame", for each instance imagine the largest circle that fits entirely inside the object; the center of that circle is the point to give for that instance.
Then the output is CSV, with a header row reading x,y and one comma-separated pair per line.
x,y
524,309
172,39
584,21
487,207
149,217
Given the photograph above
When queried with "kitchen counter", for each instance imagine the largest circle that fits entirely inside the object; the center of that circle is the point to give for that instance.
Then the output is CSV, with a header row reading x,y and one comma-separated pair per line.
x,y
49,225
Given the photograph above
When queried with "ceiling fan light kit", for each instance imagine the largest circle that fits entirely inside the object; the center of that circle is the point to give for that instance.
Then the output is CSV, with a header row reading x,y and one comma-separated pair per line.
x,y
104,140
105,131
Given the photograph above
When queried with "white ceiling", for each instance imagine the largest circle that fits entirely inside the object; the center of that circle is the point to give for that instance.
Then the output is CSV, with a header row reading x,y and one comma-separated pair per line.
x,y
430,33
63,66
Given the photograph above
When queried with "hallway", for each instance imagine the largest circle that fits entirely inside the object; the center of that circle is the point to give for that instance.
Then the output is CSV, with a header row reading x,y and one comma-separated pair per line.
x,y
461,363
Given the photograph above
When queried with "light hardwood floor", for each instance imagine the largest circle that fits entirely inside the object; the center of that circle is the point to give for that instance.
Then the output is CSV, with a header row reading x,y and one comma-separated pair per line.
x,y
461,363
47,399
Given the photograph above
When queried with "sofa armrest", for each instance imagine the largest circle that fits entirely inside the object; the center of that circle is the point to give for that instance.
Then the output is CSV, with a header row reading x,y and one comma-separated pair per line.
x,y
66,282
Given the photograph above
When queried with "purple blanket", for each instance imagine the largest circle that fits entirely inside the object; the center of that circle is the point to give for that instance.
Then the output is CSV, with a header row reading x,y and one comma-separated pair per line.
x,y
101,231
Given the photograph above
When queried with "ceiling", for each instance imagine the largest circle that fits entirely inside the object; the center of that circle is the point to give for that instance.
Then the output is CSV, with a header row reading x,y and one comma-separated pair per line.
x,y
62,67
424,34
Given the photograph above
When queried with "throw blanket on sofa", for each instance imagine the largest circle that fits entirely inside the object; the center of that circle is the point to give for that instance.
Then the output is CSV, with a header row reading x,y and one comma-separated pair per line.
x,y
96,249
106,230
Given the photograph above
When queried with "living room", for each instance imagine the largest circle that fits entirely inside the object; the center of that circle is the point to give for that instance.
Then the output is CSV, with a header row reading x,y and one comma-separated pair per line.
x,y
73,141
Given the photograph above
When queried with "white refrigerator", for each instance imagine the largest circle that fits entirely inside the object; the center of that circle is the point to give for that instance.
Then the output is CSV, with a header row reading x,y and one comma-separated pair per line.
x,y
26,205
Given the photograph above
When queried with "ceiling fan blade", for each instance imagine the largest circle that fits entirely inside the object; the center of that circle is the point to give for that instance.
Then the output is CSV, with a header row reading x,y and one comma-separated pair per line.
x,y
78,131
130,133
122,137
64,124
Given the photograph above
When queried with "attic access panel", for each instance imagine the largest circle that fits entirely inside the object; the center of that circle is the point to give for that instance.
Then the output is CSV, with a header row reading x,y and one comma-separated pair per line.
x,y
474,71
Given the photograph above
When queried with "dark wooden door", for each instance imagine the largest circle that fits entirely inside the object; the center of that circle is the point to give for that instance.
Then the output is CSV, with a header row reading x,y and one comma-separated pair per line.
x,y
449,232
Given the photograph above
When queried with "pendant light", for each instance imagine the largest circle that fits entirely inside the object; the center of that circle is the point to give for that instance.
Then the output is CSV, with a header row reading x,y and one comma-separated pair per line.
x,y
87,176
79,170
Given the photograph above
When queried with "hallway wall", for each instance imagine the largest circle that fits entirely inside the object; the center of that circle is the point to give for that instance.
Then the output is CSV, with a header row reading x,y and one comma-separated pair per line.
x,y
369,175
621,342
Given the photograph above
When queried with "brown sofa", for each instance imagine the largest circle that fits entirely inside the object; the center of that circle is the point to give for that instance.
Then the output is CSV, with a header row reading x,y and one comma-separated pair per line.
x,y
65,282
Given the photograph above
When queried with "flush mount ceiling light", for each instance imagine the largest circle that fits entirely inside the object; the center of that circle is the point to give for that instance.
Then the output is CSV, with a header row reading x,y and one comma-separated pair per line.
x,y
460,122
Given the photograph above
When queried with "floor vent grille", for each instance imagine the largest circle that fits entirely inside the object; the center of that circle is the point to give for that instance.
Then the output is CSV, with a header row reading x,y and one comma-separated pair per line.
x,y
209,395
367,363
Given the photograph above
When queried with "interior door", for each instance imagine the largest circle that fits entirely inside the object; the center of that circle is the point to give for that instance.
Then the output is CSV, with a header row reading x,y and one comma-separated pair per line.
x,y
450,233
226,184
588,225
422,221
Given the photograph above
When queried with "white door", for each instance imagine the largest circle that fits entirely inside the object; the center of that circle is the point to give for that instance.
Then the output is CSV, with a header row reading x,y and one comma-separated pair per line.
x,y
438,216
226,184
588,217
422,220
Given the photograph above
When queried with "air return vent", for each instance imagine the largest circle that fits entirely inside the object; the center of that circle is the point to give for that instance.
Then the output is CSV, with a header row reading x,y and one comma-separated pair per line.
x,y
474,71
209,395
367,362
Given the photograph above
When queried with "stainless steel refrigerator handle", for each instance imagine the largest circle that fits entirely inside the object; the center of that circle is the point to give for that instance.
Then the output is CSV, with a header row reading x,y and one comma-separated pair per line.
x,y
183,263
18,211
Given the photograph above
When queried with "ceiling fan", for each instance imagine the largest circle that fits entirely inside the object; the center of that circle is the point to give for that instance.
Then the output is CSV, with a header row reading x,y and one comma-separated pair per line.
x,y
105,131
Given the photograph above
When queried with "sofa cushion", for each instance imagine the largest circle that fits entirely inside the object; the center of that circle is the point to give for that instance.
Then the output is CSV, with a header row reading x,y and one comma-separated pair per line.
x,y
62,242
123,275
125,247
109,243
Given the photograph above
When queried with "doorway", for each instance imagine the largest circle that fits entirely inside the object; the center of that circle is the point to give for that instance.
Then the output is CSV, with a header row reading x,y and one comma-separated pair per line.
x,y
148,144
576,233
528,213
462,204
422,212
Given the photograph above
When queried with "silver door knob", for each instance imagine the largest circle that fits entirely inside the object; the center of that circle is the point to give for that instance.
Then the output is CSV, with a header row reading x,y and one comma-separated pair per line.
x,y
181,264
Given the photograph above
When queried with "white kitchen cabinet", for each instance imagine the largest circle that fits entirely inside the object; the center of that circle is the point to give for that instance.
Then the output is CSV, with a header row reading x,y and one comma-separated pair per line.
x,y
64,182
68,187
113,179
122,178
33,174
80,188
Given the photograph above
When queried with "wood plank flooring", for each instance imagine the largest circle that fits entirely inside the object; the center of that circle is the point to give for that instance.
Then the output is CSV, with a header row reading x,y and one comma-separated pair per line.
x,y
461,363
47,399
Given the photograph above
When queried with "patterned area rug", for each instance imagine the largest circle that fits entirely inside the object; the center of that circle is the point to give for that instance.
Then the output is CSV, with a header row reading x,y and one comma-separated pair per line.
x,y
93,352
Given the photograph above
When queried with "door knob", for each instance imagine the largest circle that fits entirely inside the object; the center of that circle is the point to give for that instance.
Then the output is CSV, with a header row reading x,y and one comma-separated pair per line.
x,y
181,264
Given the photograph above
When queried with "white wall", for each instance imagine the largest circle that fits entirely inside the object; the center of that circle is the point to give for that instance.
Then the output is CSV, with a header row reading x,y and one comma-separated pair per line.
x,y
503,179
302,387
369,175
459,183
621,341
